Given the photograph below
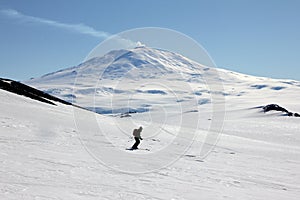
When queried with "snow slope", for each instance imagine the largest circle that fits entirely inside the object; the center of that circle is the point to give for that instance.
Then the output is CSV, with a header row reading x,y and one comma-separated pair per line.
x,y
63,152
42,157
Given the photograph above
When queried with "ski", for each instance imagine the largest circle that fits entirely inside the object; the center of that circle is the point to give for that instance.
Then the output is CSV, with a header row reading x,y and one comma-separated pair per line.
x,y
130,149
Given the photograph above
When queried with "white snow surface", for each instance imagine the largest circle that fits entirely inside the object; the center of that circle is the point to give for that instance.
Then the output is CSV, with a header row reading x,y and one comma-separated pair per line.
x,y
59,152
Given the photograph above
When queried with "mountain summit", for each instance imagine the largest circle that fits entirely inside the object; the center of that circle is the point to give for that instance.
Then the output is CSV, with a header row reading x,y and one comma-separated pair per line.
x,y
116,63
124,72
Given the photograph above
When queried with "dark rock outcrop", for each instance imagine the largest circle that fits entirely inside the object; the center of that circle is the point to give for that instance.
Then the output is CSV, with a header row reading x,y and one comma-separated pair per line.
x,y
276,107
25,90
290,114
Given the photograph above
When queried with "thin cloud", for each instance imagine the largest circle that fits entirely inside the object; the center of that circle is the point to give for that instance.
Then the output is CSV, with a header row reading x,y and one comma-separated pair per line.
x,y
78,28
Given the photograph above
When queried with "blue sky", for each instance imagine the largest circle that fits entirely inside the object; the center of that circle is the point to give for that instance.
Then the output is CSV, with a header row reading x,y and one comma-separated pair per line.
x,y
250,36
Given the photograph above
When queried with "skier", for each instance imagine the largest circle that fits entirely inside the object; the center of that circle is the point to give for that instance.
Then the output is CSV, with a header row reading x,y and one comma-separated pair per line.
x,y
137,136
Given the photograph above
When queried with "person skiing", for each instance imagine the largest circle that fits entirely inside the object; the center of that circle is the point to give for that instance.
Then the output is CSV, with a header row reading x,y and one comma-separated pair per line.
x,y
137,136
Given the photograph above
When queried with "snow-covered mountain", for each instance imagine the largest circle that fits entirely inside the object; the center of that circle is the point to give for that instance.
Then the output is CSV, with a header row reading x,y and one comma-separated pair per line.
x,y
121,73
184,108
140,78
